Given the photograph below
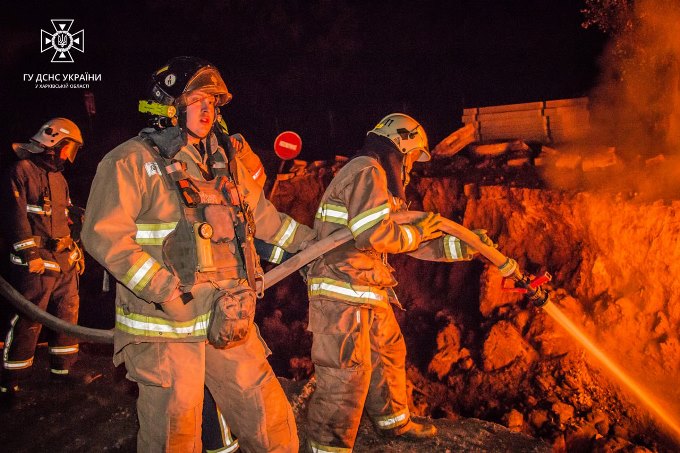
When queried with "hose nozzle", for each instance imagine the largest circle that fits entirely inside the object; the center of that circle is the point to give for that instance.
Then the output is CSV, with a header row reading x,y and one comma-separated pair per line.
x,y
525,284
540,297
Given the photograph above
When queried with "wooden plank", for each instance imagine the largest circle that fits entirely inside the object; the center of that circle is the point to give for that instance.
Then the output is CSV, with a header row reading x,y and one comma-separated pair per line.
x,y
493,149
567,108
530,122
513,127
566,102
534,135
557,120
568,113
510,116
455,141
511,107
468,119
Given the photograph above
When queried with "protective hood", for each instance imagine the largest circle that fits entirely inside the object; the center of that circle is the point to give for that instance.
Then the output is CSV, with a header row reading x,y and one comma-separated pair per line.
x,y
169,141
49,161
382,149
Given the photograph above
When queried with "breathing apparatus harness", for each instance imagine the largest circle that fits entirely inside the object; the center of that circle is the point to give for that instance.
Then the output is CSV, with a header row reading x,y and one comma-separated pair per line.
x,y
192,196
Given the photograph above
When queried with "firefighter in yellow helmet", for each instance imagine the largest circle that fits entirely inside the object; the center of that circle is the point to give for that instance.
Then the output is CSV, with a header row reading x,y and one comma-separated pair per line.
x,y
358,349
172,215
45,259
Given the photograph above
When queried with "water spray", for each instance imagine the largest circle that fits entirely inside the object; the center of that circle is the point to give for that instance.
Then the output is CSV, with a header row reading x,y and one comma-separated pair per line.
x,y
643,395
540,297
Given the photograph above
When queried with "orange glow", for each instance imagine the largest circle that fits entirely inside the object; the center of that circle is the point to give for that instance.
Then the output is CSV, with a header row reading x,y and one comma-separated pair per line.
x,y
642,394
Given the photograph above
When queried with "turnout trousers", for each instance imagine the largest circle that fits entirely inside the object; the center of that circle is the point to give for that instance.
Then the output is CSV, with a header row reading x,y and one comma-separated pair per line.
x,y
359,359
56,292
171,378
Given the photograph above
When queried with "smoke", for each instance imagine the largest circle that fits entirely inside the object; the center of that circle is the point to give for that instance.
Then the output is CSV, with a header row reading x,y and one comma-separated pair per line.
x,y
634,110
636,105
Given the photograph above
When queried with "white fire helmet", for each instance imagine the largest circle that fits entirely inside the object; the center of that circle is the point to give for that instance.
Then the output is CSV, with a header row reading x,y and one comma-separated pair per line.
x,y
405,132
56,133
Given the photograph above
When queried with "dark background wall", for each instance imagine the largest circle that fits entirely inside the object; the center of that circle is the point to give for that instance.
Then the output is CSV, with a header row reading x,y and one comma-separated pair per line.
x,y
328,70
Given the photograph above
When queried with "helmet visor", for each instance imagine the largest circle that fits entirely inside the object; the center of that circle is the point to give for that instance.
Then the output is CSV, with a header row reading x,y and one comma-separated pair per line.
x,y
209,81
424,155
69,149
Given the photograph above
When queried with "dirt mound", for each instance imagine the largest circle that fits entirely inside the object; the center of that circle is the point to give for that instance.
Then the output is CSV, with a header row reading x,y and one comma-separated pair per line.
x,y
478,351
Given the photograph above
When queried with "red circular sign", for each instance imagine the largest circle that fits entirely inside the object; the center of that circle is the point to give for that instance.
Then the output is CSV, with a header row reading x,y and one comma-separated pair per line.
x,y
287,145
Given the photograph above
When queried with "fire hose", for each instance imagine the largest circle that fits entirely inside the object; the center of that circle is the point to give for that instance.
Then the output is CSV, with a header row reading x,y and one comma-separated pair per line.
x,y
32,312
521,282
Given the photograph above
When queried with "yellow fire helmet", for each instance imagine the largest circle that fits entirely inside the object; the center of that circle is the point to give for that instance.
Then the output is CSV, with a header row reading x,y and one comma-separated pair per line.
x,y
406,133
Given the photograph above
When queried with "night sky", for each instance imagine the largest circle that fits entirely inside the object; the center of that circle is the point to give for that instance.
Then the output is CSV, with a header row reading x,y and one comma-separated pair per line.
x,y
328,70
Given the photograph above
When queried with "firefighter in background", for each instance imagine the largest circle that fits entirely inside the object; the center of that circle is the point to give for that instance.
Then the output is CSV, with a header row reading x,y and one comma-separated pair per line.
x,y
45,259
358,349
171,215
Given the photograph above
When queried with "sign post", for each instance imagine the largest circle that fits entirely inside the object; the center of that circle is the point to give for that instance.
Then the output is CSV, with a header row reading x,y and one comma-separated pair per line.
x,y
287,145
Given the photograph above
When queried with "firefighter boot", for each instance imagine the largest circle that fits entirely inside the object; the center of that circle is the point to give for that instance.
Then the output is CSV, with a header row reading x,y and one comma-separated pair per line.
x,y
415,431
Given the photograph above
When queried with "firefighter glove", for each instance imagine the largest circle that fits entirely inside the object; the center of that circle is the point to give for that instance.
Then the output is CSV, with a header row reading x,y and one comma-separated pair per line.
x,y
77,257
484,238
36,266
428,226
237,142
469,252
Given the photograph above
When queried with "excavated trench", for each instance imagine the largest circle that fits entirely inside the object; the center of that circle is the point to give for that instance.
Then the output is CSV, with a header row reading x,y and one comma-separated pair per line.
x,y
475,350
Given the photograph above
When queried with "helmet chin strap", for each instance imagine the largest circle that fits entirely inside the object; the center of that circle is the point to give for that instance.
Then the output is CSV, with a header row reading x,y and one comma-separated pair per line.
x,y
405,175
190,132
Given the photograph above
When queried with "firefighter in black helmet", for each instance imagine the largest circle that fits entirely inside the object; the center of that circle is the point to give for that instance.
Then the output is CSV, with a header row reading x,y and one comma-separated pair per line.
x,y
172,86
45,259
172,215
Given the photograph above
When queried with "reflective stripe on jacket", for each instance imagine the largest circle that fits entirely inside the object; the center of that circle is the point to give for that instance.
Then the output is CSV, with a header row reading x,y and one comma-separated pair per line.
x,y
153,233
358,199
34,202
49,265
131,210
356,294
141,325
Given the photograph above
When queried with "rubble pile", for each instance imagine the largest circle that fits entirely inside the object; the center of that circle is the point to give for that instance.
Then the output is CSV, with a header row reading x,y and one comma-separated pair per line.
x,y
478,351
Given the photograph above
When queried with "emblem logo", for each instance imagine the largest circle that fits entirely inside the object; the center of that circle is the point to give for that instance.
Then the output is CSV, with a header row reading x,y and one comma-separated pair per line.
x,y
152,168
62,41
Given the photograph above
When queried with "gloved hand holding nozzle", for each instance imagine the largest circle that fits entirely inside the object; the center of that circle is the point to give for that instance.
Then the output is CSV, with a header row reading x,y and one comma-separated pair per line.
x,y
469,252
